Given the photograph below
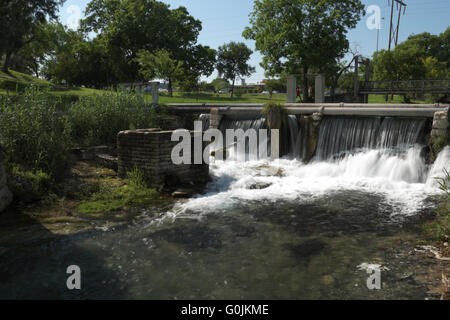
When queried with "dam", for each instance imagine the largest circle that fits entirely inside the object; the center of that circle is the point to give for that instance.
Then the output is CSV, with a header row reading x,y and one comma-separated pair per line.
x,y
349,191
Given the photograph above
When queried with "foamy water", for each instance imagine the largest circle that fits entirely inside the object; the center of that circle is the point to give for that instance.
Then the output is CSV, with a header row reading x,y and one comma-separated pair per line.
x,y
403,181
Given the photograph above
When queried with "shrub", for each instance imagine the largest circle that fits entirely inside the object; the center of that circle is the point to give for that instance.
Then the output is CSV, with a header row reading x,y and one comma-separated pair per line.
x,y
238,93
275,114
33,133
28,186
136,178
97,119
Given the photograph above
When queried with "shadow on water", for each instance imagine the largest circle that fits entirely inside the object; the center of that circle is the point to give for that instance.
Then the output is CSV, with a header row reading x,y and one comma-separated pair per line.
x,y
33,263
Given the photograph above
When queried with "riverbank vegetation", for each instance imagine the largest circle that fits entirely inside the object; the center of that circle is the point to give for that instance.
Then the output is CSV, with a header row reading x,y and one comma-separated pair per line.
x,y
37,133
439,229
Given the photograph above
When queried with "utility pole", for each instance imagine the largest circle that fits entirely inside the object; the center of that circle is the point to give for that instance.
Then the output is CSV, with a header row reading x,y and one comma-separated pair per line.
x,y
393,31
378,32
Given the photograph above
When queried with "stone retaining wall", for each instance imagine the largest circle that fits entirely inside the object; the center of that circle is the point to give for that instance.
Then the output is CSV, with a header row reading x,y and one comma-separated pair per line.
x,y
150,150
440,124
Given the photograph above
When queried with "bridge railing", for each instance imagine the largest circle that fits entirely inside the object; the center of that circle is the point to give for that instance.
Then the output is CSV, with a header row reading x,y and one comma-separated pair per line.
x,y
406,86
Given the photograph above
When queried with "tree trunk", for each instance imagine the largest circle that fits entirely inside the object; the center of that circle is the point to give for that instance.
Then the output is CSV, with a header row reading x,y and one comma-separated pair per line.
x,y
305,85
332,91
7,61
232,87
170,88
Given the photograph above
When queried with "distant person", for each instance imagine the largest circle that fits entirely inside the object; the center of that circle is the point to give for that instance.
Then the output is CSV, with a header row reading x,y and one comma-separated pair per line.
x,y
297,92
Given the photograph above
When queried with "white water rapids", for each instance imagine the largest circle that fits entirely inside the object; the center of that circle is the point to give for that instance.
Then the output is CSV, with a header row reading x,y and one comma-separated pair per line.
x,y
404,181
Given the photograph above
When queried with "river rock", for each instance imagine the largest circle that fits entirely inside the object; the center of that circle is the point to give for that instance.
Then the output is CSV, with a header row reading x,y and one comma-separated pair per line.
x,y
183,193
259,185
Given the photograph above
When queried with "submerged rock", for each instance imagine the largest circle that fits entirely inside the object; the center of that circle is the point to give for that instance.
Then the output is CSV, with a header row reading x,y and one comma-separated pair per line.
x,y
307,249
193,237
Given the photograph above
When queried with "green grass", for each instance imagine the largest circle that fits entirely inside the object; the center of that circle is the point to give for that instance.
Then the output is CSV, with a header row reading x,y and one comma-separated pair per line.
x,y
112,197
22,77
10,80
380,99
180,97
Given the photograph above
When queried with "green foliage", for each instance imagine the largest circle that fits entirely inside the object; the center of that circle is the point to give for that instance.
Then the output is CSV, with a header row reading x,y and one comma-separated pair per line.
x,y
28,186
275,114
272,107
128,26
111,198
98,118
272,85
232,61
19,23
295,36
439,143
33,133
136,178
421,56
439,229
220,84
238,93
159,65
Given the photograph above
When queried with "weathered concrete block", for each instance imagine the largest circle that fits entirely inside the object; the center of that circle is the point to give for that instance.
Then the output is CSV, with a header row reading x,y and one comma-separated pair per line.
x,y
215,118
150,150
440,124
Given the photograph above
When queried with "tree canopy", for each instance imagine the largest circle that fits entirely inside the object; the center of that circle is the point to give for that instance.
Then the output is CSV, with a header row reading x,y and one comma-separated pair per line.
x,y
129,26
421,56
295,36
159,65
232,61
19,21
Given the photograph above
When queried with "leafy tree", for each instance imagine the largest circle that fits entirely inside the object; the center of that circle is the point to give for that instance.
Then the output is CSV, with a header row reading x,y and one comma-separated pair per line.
x,y
232,62
160,66
199,61
129,26
220,84
295,36
272,85
19,21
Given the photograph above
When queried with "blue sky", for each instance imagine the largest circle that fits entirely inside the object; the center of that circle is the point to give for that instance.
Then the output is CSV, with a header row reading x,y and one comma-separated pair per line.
x,y
224,21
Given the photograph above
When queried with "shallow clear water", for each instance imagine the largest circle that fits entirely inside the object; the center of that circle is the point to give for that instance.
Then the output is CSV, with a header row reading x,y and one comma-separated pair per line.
x,y
263,230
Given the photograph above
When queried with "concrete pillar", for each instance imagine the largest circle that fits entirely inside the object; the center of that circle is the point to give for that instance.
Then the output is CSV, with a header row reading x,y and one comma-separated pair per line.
x,y
440,132
320,89
155,92
291,89
214,118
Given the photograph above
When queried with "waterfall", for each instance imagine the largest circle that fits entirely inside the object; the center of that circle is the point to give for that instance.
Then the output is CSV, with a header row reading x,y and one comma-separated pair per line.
x,y
339,135
204,118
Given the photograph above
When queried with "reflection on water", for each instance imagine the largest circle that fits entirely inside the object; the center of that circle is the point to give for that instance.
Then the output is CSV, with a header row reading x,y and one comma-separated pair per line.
x,y
263,230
